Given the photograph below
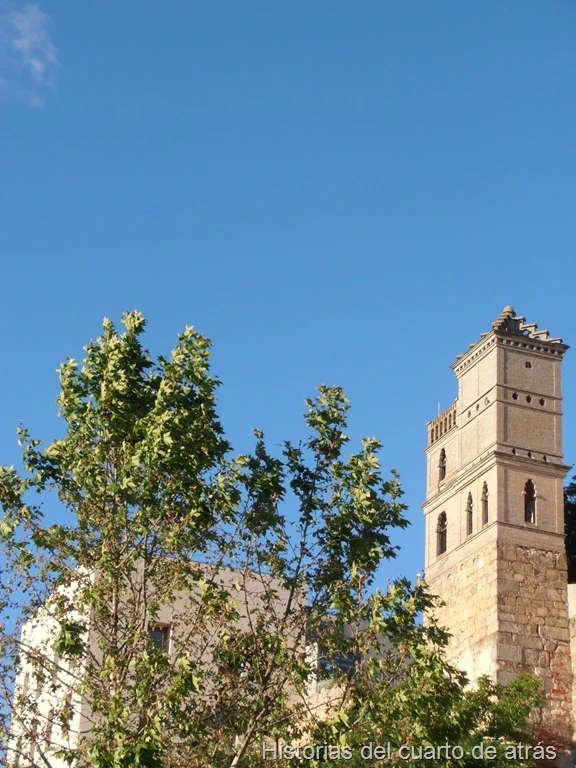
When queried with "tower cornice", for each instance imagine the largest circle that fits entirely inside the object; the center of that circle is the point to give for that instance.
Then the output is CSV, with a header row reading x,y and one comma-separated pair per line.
x,y
512,330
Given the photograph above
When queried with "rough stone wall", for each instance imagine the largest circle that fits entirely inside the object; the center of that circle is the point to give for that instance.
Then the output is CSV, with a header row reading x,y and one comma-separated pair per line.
x,y
534,634
507,610
469,589
572,628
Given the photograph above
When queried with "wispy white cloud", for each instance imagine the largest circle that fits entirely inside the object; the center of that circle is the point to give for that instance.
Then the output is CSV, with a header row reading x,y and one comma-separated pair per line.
x,y
28,61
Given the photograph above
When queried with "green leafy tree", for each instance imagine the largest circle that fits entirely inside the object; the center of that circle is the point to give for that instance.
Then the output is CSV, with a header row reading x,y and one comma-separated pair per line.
x,y
570,528
261,567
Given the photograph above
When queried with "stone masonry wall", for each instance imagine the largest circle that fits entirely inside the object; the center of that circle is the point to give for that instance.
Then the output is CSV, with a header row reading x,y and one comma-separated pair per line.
x,y
507,610
573,658
469,589
572,628
534,634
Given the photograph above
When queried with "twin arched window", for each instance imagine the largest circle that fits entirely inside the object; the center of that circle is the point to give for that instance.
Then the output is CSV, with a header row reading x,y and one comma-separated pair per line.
x,y
470,510
529,502
442,465
441,533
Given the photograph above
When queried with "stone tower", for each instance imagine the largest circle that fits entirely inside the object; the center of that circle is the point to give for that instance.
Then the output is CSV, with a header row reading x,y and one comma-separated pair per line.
x,y
495,516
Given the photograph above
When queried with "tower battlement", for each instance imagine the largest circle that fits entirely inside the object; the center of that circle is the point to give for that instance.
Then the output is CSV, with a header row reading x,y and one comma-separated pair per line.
x,y
442,424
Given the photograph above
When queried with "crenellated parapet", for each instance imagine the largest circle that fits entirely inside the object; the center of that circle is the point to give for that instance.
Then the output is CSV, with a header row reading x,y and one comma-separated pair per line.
x,y
510,322
442,424
512,330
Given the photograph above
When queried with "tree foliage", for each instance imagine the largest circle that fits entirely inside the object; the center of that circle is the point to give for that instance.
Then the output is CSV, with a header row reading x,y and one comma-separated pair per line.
x,y
263,566
570,528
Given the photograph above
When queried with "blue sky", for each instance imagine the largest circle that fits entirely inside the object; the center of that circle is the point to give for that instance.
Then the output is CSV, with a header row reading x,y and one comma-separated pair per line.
x,y
333,192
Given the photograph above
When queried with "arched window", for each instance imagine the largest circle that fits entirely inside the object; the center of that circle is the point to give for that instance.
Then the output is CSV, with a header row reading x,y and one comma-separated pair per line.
x,y
441,532
484,504
529,502
469,515
442,465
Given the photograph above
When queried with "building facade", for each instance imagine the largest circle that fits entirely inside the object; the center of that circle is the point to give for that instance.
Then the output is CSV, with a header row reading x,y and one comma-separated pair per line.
x,y
494,515
47,686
